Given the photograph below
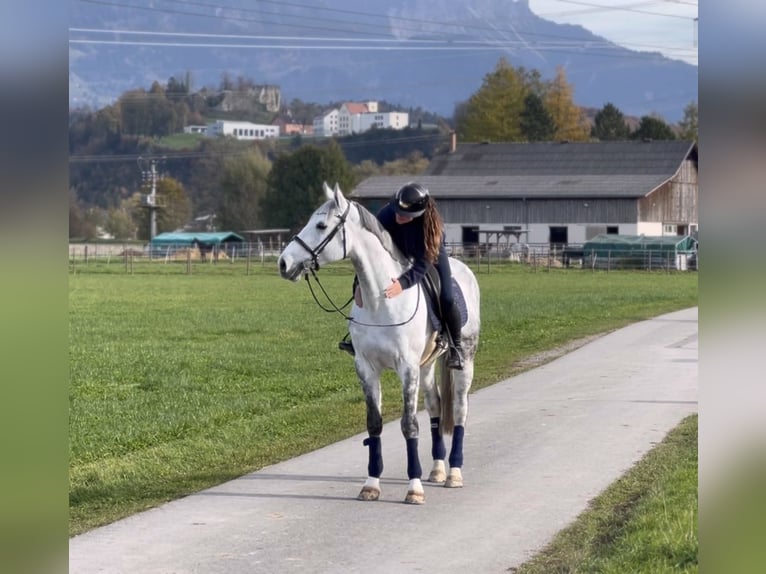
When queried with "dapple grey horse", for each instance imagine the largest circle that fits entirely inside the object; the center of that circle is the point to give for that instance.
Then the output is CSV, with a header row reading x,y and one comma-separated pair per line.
x,y
394,334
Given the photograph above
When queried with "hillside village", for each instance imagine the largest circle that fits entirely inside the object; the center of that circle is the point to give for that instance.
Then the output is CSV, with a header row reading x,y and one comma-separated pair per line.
x,y
347,119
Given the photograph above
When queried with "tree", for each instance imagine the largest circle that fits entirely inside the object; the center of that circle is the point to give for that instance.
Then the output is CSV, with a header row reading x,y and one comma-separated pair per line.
x,y
609,124
653,128
174,213
570,121
688,129
81,225
120,223
493,112
295,183
536,123
243,187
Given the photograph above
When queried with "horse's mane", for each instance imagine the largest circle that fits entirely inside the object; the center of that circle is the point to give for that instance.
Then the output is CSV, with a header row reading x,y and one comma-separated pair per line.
x,y
373,225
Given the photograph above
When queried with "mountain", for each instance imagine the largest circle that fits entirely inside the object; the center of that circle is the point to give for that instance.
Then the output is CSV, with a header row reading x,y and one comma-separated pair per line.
x,y
428,53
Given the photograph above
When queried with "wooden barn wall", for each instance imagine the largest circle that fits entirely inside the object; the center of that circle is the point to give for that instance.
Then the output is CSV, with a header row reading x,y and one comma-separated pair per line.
x,y
675,202
521,212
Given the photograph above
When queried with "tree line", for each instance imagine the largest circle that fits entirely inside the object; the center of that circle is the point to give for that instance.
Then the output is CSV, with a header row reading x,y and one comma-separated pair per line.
x,y
514,104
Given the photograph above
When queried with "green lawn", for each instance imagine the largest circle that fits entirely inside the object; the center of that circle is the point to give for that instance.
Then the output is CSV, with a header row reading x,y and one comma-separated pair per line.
x,y
179,382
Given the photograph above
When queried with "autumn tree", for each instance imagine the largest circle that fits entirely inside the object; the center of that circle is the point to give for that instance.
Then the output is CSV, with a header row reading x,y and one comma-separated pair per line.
x,y
493,112
535,121
174,212
653,128
569,119
609,124
243,187
688,129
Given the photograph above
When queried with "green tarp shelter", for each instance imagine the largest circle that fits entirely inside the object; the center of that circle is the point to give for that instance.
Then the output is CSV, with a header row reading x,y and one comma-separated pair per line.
x,y
640,251
184,239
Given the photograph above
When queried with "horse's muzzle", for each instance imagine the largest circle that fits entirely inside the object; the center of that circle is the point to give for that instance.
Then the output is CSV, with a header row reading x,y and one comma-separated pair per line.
x,y
292,273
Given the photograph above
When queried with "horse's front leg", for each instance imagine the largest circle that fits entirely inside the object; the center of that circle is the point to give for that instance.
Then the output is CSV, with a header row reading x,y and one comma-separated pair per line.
x,y
462,384
410,383
433,406
370,381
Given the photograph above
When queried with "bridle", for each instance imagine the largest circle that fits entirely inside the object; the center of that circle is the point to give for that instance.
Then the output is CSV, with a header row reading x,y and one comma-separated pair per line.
x,y
340,226
313,266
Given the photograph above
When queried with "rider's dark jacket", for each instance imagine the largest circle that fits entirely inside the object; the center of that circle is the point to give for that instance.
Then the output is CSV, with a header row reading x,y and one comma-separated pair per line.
x,y
410,239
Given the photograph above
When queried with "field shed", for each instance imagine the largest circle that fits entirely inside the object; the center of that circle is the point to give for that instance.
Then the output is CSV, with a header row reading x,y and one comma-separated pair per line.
x,y
176,243
608,251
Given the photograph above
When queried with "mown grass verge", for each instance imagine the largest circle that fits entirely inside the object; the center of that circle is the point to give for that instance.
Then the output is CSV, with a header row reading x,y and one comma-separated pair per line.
x,y
645,522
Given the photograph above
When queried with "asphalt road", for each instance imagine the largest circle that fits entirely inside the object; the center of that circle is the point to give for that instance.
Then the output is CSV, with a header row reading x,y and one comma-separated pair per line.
x,y
538,447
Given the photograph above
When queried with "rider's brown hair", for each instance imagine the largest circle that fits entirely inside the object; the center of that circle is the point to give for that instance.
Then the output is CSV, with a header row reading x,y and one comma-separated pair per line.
x,y
433,228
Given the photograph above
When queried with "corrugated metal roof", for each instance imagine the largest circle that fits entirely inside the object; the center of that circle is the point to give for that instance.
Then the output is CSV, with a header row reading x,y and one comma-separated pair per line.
x,y
625,186
576,158
625,169
187,238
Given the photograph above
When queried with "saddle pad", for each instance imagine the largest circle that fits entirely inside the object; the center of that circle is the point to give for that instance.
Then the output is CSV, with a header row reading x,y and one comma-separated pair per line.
x,y
459,301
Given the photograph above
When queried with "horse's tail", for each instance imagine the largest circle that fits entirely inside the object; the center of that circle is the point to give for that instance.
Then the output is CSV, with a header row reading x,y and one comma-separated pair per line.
x,y
447,398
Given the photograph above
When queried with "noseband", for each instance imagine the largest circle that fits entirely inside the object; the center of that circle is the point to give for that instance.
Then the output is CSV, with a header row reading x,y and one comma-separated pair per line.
x,y
314,265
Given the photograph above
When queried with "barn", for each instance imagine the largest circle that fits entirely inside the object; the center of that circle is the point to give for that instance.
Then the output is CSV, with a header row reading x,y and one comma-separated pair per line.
x,y
556,193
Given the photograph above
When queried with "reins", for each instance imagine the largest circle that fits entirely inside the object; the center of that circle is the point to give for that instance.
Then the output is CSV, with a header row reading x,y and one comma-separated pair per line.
x,y
314,266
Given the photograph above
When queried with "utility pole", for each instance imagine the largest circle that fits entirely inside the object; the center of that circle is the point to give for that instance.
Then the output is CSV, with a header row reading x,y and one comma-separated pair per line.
x,y
150,177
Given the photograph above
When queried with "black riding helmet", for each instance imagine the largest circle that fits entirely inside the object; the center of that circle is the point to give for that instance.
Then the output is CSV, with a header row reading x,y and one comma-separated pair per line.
x,y
411,200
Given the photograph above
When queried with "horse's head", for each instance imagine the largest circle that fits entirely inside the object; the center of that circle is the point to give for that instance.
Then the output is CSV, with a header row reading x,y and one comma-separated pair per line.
x,y
322,240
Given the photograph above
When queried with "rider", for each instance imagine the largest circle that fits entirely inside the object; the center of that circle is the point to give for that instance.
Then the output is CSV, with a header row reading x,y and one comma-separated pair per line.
x,y
415,226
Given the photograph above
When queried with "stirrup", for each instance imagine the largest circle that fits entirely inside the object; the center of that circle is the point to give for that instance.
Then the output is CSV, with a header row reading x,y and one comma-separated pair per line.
x,y
347,346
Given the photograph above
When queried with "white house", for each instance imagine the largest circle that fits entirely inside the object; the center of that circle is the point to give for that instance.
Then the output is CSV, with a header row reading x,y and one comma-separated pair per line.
x,y
357,117
242,130
395,120
195,130
326,125
350,118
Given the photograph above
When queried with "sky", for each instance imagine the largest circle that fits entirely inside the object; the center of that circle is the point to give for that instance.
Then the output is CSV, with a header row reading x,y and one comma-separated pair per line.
x,y
666,26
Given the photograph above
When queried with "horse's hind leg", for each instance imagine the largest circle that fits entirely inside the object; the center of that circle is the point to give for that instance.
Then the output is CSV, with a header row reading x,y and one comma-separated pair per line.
x,y
371,386
433,406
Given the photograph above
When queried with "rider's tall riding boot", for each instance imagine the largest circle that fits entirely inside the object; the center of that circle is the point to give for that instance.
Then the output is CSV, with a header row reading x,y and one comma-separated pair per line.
x,y
455,359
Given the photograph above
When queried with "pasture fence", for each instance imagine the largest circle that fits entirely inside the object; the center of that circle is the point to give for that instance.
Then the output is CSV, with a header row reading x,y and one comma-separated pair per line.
x,y
245,257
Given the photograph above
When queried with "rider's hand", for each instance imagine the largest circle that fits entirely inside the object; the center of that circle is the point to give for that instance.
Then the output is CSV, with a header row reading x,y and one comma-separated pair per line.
x,y
394,289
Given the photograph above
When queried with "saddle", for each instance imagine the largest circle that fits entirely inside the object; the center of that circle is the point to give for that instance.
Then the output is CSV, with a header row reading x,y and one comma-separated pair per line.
x,y
439,343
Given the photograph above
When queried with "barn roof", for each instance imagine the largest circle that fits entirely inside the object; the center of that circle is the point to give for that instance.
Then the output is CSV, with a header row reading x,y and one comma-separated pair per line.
x,y
626,169
188,238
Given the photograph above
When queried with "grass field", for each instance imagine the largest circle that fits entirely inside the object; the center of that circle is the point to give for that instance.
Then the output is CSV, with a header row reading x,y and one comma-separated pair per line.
x,y
179,382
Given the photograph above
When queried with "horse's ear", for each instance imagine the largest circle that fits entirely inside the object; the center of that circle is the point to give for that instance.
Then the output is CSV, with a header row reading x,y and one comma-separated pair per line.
x,y
340,199
327,191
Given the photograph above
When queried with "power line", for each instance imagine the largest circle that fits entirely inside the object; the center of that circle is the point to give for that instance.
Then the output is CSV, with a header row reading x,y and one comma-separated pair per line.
x,y
624,8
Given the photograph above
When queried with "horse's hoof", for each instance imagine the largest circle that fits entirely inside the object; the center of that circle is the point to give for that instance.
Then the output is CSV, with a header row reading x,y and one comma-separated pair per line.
x,y
369,493
415,497
437,475
454,480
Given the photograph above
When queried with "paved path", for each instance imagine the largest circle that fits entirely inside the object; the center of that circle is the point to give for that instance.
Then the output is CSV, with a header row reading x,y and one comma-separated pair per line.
x,y
538,447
